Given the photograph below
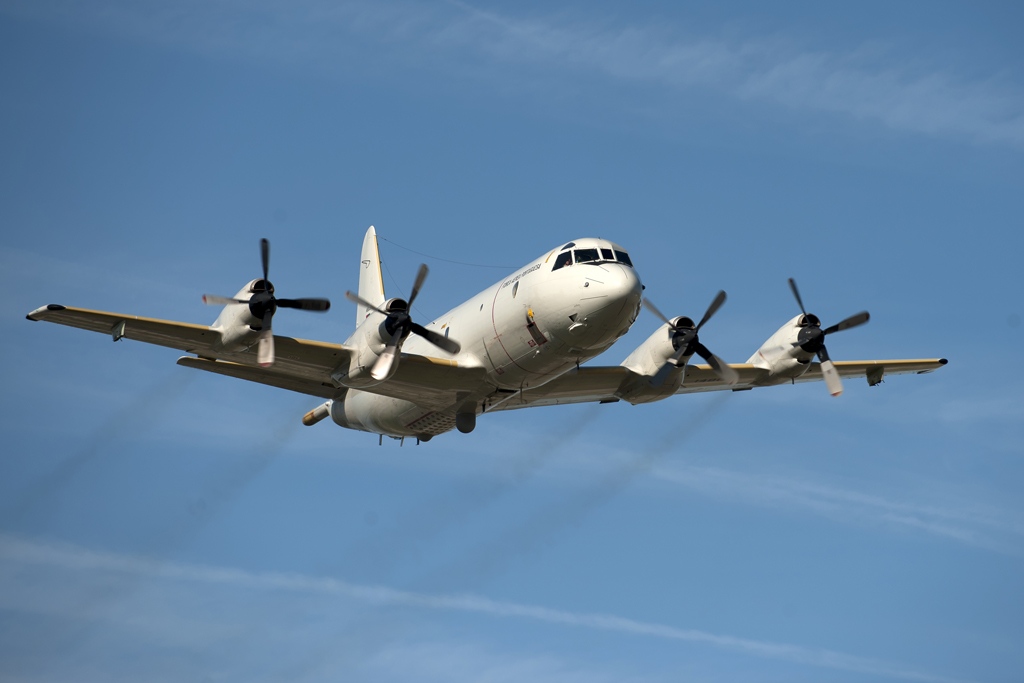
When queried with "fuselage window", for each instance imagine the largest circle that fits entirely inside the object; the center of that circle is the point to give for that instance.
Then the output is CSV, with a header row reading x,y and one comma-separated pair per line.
x,y
624,258
515,289
564,259
571,244
585,255
607,255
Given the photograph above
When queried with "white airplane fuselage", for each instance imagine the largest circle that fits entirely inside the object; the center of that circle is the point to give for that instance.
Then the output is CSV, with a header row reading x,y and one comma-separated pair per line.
x,y
523,331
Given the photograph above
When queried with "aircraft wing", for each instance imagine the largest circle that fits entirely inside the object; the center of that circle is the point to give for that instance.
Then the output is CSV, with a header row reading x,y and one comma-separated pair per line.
x,y
612,383
295,357
300,365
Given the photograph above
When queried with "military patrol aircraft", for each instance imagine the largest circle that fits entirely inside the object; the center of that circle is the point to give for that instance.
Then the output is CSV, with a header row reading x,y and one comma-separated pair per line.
x,y
520,343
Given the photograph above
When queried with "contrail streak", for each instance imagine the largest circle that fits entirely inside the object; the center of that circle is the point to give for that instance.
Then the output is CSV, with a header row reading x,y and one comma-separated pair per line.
x,y
138,414
76,558
543,524
427,521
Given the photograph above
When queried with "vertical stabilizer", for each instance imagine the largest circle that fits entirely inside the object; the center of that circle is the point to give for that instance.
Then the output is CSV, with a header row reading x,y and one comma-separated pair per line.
x,y
371,284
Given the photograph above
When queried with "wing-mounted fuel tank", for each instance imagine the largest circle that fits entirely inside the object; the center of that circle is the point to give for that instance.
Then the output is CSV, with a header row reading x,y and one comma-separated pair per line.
x,y
788,353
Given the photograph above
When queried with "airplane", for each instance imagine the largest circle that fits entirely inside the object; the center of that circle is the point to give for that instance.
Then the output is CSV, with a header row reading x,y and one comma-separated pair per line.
x,y
520,343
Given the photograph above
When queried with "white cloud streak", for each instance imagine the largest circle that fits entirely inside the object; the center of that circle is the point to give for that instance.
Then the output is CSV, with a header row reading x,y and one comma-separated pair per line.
x,y
972,524
865,85
76,558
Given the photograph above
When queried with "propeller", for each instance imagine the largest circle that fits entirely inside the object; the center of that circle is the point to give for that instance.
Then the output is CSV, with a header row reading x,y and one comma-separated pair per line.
x,y
263,304
689,343
812,340
400,325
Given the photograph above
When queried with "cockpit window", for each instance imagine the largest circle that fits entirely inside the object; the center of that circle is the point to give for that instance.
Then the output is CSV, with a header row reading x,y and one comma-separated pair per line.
x,y
571,244
623,258
607,255
564,259
584,255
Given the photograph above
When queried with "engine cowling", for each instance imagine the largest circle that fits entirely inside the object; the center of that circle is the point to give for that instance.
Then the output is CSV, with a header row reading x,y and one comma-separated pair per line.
x,y
239,328
650,357
782,355
370,338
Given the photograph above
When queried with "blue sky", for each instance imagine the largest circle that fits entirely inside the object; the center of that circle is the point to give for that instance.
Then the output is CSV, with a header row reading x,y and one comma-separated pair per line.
x,y
162,525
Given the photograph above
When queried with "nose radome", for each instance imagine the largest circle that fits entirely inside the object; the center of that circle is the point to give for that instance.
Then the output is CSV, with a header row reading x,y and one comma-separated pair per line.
x,y
616,285
609,304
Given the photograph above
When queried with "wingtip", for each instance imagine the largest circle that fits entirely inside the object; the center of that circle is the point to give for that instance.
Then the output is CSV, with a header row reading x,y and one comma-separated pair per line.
x,y
943,361
41,309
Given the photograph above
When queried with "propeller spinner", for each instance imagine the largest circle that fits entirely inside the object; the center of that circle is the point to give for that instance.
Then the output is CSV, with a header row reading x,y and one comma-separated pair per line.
x,y
263,304
689,343
811,339
400,325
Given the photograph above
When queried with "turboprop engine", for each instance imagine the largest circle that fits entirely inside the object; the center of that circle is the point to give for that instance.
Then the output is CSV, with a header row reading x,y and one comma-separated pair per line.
x,y
240,326
672,346
788,353
381,345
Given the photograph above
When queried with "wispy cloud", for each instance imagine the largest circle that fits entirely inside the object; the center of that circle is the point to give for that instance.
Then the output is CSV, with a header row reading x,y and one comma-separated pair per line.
x,y
867,85
76,558
973,524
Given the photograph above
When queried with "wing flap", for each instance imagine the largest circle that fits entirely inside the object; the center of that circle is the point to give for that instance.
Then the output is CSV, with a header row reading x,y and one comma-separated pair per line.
x,y
261,376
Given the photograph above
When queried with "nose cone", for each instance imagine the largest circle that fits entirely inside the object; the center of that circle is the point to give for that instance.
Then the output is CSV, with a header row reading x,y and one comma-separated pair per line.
x,y
609,302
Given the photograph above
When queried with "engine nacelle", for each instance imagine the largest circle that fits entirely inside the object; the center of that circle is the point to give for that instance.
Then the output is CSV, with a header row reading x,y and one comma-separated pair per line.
x,y
651,356
239,329
370,338
781,356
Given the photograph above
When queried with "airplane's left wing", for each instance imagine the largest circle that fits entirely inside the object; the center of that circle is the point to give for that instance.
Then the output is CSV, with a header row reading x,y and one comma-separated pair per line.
x,y
609,384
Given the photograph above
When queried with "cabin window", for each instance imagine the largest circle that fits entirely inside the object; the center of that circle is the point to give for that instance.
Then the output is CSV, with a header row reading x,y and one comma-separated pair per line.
x,y
607,255
515,289
586,255
564,259
623,257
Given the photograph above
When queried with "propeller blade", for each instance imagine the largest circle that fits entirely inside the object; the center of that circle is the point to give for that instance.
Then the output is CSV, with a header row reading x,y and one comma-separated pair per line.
x,y
721,368
319,305
438,340
356,299
211,300
265,351
265,256
712,309
420,277
829,372
382,368
852,321
648,304
796,293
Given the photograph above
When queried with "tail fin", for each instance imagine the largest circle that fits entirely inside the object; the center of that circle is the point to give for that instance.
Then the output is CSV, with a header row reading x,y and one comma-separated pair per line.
x,y
371,284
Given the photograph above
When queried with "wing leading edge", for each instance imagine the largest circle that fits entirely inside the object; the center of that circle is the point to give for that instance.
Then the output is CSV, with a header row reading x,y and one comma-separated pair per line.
x,y
301,365
613,383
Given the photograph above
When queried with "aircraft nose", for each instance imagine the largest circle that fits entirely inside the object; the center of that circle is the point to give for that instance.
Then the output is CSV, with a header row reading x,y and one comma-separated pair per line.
x,y
610,300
